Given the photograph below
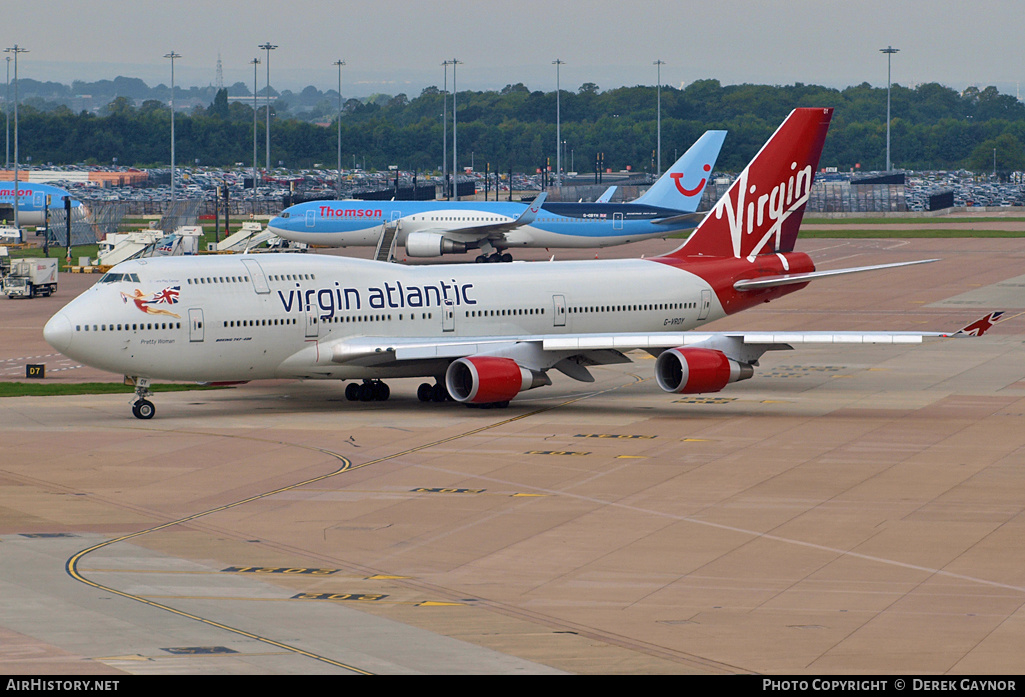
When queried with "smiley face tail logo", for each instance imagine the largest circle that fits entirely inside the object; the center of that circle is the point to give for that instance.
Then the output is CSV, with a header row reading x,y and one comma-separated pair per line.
x,y
677,179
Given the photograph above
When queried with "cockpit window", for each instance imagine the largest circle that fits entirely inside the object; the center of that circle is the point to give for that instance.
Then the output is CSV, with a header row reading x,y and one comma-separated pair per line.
x,y
119,277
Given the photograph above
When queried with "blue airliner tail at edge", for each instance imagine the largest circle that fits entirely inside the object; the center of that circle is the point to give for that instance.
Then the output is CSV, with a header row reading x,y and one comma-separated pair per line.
x,y
682,185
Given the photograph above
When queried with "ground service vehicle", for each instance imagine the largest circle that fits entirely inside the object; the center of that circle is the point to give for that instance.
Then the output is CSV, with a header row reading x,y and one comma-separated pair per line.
x,y
28,278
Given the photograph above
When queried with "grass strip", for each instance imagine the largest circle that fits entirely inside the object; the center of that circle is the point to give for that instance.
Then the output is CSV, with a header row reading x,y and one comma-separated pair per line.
x,y
904,233
981,220
43,389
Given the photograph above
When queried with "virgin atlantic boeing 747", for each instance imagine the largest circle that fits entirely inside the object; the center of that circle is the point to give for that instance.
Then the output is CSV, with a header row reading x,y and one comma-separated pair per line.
x,y
483,333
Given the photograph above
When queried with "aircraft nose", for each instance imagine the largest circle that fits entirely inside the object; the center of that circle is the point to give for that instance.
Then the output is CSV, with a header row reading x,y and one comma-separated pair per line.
x,y
58,332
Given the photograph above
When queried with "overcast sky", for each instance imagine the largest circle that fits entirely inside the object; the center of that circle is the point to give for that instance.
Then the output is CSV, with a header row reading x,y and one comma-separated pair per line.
x,y
394,46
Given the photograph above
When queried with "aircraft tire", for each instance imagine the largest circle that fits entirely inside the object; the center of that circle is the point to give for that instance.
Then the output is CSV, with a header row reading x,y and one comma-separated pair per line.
x,y
366,392
143,409
439,393
424,392
506,257
481,259
381,392
352,392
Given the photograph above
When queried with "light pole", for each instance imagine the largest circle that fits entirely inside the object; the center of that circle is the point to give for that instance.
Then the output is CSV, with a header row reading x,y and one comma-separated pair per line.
x,y
338,186
268,47
658,156
444,129
558,125
455,169
7,113
255,62
889,51
15,49
172,55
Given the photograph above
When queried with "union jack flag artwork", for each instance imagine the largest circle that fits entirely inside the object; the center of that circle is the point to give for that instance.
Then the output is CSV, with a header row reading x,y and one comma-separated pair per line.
x,y
167,295
981,326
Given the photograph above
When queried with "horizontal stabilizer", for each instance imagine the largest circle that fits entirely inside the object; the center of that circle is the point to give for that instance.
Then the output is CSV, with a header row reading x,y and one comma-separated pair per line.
x,y
691,218
794,278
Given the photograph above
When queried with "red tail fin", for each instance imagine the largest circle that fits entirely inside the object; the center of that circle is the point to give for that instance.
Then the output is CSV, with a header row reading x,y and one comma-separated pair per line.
x,y
761,212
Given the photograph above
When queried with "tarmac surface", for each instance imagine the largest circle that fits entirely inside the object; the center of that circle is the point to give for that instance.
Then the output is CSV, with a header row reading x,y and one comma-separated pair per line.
x,y
849,510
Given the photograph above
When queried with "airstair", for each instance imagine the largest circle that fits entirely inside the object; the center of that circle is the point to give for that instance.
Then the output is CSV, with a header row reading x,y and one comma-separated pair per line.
x,y
386,244
250,236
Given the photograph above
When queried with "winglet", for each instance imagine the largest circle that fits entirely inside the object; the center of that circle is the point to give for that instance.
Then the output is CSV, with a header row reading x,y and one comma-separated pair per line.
x,y
527,217
980,326
606,195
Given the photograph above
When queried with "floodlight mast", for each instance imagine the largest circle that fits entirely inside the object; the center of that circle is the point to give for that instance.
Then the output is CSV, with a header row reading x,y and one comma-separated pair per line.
x,y
16,50
268,47
172,55
889,51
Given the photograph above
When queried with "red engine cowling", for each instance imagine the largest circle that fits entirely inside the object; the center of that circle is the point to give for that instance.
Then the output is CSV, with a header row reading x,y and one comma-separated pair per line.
x,y
697,370
488,379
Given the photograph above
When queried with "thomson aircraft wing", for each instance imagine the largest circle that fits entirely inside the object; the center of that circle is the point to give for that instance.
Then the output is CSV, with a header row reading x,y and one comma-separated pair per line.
x,y
493,231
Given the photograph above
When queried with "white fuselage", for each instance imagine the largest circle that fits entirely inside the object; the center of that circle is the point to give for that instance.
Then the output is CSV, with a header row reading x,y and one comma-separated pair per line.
x,y
251,317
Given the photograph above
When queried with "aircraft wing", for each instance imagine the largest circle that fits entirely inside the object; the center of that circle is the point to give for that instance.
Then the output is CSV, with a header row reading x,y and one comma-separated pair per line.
x,y
570,353
472,233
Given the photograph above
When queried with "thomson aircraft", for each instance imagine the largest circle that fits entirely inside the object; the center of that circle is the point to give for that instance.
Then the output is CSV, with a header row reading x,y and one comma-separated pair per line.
x,y
434,228
483,334
32,203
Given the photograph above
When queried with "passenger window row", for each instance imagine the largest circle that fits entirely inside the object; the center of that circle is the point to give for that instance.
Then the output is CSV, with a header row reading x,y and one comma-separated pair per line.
x,y
259,322
204,280
148,326
505,313
331,320
633,308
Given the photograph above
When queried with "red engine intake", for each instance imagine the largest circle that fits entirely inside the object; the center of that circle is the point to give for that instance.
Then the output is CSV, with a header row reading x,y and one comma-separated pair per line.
x,y
488,379
698,370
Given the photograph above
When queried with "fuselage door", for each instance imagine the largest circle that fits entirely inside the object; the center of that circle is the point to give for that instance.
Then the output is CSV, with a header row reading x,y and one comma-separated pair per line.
x,y
311,218
706,304
617,221
395,215
559,319
195,324
312,322
448,317
257,276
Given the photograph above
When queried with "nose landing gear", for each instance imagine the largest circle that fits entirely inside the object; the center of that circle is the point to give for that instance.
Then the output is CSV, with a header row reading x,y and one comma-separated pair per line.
x,y
142,408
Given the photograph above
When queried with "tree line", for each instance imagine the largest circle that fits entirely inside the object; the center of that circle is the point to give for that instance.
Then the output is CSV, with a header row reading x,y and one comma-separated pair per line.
x,y
933,127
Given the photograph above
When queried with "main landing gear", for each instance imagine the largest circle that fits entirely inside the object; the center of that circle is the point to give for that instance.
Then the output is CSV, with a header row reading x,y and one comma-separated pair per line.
x,y
438,392
369,391
494,258
490,254
142,408
433,393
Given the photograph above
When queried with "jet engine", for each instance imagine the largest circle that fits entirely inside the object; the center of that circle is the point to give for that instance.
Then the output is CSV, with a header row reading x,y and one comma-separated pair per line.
x,y
432,244
698,370
489,379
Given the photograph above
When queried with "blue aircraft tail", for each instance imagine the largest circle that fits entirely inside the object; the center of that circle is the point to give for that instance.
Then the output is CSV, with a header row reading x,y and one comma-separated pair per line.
x,y
680,188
